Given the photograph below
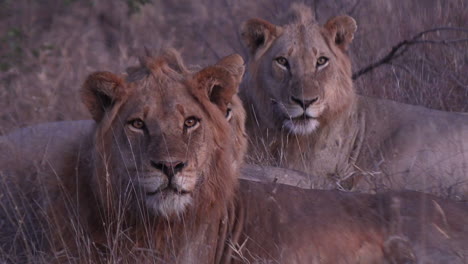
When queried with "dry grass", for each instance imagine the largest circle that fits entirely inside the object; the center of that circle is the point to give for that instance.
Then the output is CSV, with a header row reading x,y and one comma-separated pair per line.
x,y
429,74
36,242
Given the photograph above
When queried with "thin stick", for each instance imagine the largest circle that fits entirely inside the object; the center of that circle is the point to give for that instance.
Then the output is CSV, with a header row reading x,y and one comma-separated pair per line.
x,y
400,48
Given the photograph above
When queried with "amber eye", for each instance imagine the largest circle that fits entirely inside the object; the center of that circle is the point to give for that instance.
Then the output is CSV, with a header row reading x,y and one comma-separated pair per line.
x,y
191,122
282,61
322,61
137,123
228,113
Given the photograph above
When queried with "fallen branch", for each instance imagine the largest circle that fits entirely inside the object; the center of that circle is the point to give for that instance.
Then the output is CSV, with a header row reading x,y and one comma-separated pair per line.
x,y
403,46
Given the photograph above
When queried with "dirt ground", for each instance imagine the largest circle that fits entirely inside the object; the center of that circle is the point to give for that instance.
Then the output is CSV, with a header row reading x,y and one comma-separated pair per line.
x,y
48,47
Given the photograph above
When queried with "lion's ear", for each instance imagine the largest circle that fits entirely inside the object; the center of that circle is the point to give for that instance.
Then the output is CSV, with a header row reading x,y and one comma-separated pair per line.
x,y
221,81
257,34
101,91
342,30
235,65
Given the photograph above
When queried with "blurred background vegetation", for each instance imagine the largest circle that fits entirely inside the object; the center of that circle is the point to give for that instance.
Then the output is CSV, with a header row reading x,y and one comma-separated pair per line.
x,y
48,47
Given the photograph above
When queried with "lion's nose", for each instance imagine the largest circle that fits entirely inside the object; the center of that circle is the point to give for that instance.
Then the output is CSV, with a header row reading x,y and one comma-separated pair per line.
x,y
170,168
303,102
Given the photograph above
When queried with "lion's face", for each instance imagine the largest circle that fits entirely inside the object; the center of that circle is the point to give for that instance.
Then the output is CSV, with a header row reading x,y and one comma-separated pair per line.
x,y
299,73
169,140
169,129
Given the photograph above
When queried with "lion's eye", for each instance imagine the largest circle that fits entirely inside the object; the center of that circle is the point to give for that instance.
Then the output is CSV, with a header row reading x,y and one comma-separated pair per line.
x,y
191,122
228,114
322,61
137,123
282,61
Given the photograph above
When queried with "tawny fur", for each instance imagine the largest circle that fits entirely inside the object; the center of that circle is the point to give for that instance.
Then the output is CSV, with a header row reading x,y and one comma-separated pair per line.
x,y
348,141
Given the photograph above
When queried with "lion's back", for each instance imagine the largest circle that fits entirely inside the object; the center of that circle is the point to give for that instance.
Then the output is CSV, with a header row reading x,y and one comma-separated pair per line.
x,y
420,148
43,143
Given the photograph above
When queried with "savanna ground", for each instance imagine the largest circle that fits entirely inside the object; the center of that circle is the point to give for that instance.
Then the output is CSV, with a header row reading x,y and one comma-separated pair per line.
x,y
48,47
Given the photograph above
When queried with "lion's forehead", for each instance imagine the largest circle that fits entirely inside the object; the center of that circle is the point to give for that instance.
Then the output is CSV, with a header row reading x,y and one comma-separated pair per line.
x,y
301,47
162,102
177,107
162,90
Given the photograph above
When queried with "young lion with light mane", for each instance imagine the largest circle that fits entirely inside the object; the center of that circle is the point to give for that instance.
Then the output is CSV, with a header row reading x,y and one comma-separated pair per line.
x,y
303,114
155,180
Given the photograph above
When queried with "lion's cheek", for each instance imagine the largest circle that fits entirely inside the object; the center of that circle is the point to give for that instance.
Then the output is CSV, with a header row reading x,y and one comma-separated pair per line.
x,y
315,111
186,181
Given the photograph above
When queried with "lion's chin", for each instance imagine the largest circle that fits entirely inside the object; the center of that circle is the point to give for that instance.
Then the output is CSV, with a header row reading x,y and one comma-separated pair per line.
x,y
168,203
301,126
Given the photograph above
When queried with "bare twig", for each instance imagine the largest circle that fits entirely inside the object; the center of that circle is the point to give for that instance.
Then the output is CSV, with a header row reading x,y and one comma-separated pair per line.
x,y
403,46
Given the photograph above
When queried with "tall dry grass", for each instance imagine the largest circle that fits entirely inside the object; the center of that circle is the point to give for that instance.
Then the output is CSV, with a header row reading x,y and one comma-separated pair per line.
x,y
28,229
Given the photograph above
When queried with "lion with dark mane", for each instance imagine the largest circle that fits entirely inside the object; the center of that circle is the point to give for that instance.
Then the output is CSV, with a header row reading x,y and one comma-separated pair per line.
x,y
304,114
155,180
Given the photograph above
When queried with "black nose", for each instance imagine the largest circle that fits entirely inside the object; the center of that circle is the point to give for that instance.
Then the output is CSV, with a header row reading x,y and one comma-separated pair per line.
x,y
170,168
304,103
